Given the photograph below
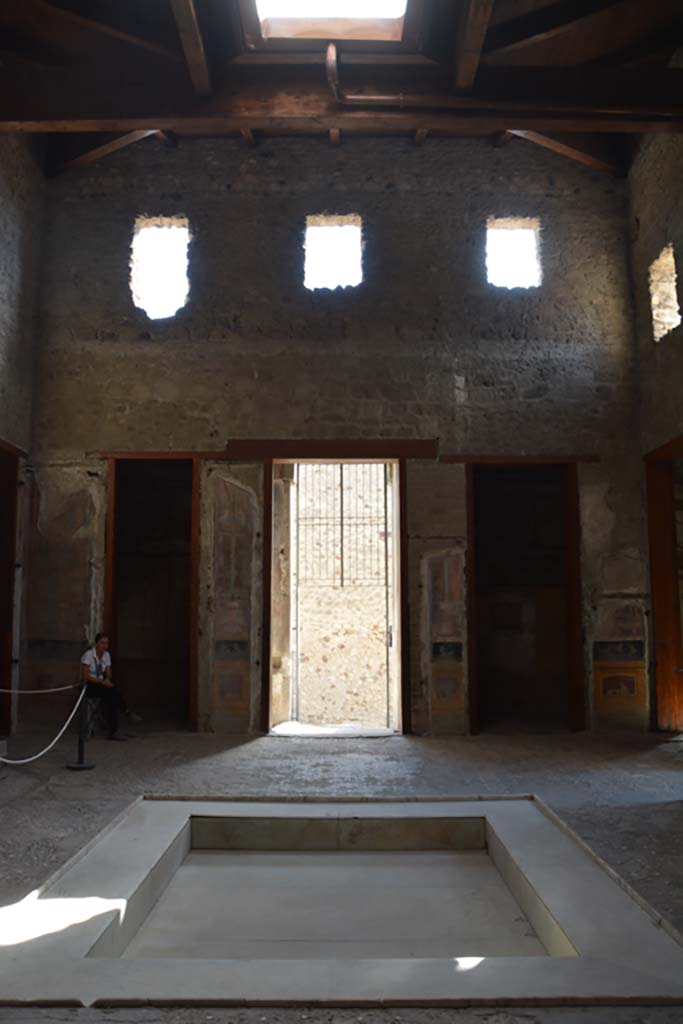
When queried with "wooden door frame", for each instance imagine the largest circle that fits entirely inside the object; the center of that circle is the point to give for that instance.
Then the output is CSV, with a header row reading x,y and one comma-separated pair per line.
x,y
10,455
576,681
667,712
109,613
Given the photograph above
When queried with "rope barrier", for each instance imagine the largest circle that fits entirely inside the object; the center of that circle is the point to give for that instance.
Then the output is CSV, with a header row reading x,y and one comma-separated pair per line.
x,y
27,760
52,689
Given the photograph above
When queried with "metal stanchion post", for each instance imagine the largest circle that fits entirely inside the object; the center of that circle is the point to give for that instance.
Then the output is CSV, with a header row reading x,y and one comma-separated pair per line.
x,y
80,764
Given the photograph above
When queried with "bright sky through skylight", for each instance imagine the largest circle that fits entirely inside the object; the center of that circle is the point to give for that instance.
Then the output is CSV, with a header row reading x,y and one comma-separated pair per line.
x,y
158,277
333,255
512,257
330,8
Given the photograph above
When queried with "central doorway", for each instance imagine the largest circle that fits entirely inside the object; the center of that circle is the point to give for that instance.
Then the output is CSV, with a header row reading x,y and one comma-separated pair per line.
x,y
335,614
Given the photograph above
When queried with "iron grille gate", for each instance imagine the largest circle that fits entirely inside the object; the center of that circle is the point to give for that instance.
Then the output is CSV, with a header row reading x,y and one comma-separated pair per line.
x,y
342,524
342,531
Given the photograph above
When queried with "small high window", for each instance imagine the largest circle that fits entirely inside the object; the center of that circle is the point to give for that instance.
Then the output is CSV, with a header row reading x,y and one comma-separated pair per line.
x,y
158,265
666,313
381,20
333,251
512,252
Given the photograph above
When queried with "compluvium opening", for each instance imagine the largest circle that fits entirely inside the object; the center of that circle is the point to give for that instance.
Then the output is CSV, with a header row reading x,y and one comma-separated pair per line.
x,y
512,252
380,20
666,313
333,251
158,266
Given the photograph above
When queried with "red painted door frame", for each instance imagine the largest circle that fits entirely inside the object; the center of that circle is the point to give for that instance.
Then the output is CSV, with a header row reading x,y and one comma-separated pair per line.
x,y
666,620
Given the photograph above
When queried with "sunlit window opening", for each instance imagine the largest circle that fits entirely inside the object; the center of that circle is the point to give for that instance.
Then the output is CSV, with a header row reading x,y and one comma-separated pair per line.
x,y
666,313
158,265
512,252
333,251
332,19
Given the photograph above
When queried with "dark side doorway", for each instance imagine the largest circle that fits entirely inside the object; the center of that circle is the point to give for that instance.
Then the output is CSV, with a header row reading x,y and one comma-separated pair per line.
x,y
9,468
527,637
152,587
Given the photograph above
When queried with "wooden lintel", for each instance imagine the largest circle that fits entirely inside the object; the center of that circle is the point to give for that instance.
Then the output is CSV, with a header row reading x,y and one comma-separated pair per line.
x,y
514,460
473,24
192,42
592,153
298,449
301,450
90,155
420,136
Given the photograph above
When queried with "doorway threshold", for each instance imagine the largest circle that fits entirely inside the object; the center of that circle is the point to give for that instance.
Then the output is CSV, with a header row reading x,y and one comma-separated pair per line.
x,y
345,730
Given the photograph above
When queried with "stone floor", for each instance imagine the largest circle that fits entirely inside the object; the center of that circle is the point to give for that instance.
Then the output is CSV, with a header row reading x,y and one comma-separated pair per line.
x,y
623,795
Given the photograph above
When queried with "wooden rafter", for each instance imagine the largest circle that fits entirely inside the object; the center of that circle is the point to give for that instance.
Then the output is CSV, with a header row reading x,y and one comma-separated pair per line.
x,y
93,153
577,31
593,152
52,25
192,42
472,26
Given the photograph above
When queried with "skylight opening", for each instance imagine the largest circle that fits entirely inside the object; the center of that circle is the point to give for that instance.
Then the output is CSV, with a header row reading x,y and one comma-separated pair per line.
x,y
158,266
666,312
333,251
380,20
512,252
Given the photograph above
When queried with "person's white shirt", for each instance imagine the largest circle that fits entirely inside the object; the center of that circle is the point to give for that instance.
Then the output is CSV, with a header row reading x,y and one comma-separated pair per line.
x,y
96,666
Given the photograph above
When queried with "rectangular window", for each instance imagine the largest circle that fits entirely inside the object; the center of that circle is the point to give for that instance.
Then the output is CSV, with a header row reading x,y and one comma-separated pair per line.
x,y
512,252
158,265
666,313
333,251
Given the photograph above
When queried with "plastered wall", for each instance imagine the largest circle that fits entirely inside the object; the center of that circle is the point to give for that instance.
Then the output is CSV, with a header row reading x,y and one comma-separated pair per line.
x,y
424,348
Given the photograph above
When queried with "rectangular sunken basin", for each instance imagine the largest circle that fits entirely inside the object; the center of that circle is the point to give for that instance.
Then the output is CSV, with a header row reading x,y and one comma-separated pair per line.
x,y
446,902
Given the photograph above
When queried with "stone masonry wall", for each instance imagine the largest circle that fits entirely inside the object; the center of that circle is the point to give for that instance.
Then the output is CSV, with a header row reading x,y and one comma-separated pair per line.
x,y
423,348
21,204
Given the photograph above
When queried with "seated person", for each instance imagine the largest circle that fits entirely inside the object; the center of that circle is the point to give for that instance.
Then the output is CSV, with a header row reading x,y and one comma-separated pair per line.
x,y
96,673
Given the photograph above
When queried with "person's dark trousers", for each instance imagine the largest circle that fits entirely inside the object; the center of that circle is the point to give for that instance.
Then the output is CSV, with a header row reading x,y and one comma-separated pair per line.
x,y
113,704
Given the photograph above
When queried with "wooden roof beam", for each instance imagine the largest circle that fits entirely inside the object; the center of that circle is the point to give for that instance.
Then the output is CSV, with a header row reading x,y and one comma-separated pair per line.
x,y
190,33
542,100
473,23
